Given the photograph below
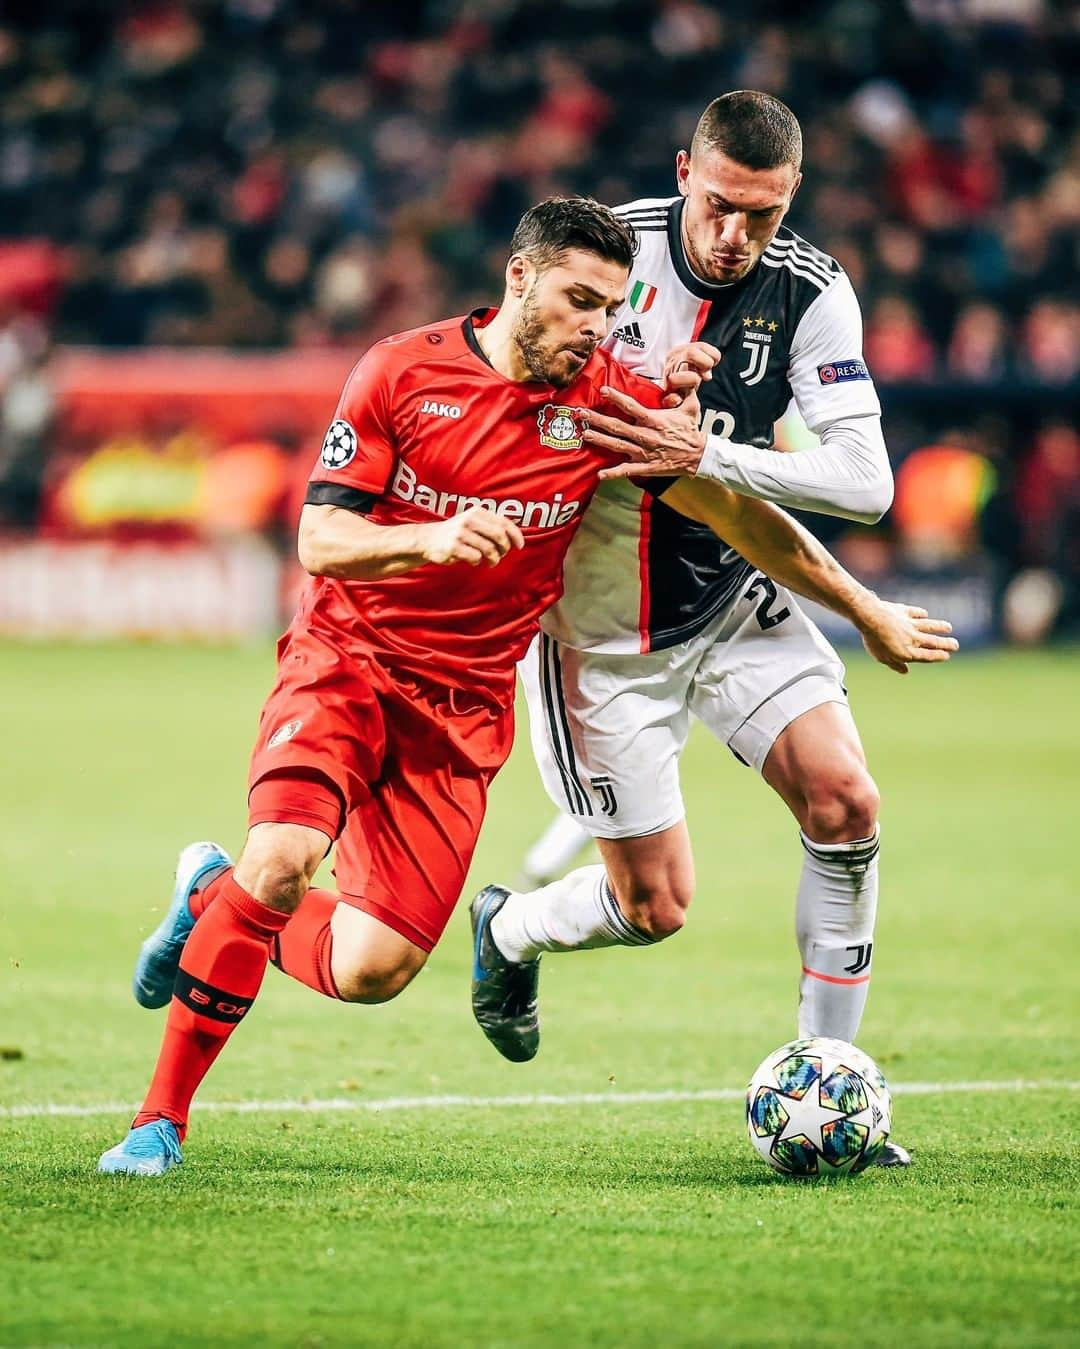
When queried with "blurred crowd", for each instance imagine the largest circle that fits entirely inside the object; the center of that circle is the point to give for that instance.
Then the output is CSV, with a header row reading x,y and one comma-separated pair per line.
x,y
267,173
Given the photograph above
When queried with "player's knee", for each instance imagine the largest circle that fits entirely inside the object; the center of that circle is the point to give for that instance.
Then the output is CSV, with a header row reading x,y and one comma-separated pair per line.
x,y
378,981
843,806
280,881
276,865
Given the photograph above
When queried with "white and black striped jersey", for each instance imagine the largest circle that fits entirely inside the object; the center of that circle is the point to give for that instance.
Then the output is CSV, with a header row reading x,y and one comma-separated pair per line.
x,y
639,576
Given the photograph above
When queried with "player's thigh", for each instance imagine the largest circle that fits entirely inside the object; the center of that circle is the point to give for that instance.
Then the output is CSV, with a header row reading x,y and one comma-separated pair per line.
x,y
607,732
818,766
403,856
766,666
323,722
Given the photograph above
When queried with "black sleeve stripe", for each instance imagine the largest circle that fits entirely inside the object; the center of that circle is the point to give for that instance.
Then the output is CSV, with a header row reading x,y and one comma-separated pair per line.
x,y
654,487
338,494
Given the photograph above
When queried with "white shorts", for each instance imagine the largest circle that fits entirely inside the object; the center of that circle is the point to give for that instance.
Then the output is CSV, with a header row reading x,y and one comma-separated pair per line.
x,y
607,731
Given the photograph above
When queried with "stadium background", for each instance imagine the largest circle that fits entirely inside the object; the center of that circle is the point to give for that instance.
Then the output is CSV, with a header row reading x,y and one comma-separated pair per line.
x,y
206,212
263,176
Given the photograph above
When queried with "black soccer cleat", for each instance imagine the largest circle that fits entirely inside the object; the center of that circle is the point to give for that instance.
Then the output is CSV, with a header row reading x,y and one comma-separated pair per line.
x,y
892,1154
503,991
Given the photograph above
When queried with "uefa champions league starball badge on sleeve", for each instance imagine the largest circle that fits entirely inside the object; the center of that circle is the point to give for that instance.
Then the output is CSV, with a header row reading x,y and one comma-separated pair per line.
x,y
339,446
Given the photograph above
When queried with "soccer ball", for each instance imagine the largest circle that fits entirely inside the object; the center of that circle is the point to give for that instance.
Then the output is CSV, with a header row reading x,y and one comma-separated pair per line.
x,y
818,1107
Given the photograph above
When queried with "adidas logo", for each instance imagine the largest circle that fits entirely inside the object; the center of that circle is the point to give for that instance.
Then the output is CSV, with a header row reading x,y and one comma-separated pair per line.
x,y
630,333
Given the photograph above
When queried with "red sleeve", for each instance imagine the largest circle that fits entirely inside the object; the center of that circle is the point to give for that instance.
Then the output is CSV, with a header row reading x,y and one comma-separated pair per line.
x,y
359,450
637,386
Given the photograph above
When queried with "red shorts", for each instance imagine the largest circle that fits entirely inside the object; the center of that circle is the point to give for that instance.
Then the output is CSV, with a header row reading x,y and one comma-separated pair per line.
x,y
393,767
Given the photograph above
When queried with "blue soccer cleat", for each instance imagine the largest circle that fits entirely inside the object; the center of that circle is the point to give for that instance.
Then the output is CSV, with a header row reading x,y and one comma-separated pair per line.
x,y
159,955
150,1150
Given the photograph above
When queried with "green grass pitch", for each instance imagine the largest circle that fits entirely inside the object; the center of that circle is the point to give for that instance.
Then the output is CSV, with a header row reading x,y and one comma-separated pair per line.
x,y
581,1222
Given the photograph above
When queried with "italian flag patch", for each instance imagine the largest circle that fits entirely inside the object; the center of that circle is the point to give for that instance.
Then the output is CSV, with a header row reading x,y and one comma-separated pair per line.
x,y
641,297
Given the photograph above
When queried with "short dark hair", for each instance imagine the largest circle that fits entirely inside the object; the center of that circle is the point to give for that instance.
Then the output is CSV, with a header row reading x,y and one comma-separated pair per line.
x,y
752,128
548,230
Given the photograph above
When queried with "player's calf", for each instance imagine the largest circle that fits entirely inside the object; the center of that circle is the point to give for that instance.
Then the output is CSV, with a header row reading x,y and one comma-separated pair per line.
x,y
652,880
657,911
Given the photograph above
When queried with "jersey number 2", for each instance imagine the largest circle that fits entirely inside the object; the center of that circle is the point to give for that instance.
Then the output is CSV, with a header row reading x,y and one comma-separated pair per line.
x,y
762,585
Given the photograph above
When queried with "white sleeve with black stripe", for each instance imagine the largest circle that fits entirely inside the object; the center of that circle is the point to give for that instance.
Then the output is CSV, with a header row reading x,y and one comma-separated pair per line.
x,y
849,474
826,371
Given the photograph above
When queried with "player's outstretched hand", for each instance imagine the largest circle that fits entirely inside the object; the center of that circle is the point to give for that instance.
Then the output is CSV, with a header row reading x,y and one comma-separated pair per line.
x,y
685,366
476,535
901,634
654,441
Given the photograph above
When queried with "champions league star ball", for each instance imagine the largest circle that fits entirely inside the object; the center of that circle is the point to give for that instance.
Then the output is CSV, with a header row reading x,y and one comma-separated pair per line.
x,y
339,446
818,1108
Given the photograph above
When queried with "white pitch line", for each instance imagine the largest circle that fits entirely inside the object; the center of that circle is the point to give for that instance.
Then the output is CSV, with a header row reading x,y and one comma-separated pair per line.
x,y
346,1104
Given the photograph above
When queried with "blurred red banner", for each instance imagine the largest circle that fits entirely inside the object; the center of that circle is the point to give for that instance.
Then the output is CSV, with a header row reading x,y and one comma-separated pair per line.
x,y
199,442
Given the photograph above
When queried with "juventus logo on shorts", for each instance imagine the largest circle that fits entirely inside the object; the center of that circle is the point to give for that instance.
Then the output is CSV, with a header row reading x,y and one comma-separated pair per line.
x,y
862,958
606,792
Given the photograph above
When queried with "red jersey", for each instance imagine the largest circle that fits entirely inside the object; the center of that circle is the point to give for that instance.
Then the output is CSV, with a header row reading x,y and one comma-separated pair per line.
x,y
425,429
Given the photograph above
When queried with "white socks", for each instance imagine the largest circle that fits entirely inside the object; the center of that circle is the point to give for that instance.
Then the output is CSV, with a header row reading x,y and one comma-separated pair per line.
x,y
555,851
834,924
577,913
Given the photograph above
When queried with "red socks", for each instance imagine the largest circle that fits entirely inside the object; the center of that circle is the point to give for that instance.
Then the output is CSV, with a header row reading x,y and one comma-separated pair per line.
x,y
199,899
220,973
302,950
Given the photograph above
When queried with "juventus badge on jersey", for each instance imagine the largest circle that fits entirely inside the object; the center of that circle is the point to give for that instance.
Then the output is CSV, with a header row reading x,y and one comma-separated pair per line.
x,y
757,340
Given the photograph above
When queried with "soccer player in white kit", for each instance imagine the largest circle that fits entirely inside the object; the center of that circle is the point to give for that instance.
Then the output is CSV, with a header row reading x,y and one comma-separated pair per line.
x,y
659,620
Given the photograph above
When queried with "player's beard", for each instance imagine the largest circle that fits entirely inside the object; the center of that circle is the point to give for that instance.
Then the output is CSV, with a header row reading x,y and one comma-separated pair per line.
x,y
545,361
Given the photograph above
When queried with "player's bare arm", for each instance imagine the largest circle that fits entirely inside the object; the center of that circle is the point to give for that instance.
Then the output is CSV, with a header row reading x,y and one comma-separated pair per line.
x,y
344,544
775,543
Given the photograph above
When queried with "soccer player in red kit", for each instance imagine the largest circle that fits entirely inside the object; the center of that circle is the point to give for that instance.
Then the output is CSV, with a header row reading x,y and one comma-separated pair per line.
x,y
448,489
449,486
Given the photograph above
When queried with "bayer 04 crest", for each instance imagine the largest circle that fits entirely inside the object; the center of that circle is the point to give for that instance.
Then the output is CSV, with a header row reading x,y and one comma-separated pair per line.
x,y
560,427
818,1107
